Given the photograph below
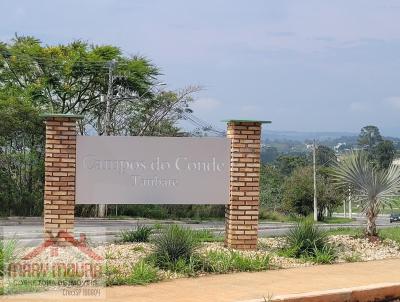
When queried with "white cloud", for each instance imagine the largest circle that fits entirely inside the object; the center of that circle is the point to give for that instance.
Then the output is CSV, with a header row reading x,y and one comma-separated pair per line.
x,y
205,104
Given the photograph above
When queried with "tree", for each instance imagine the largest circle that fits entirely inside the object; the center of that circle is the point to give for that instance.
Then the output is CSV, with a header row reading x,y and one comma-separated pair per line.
x,y
21,158
383,153
157,116
269,154
71,78
325,156
287,163
271,190
373,188
298,193
369,137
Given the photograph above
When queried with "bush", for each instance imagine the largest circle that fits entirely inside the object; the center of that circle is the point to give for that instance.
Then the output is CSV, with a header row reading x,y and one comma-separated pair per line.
x,y
7,251
326,255
188,267
233,261
141,273
140,234
306,239
298,193
173,244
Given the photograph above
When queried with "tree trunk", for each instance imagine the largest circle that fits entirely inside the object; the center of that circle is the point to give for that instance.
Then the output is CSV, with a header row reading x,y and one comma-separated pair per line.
x,y
102,210
371,223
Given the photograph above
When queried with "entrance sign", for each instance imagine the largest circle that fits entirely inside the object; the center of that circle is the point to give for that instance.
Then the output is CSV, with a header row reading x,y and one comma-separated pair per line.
x,y
152,170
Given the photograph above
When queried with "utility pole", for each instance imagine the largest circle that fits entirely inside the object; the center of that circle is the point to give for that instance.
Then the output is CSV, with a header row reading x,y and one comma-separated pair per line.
x,y
315,183
107,124
109,97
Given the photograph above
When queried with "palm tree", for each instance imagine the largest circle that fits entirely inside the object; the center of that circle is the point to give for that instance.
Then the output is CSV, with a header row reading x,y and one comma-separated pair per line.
x,y
373,188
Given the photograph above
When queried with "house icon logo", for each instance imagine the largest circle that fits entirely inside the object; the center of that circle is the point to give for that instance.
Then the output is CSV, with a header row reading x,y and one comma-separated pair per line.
x,y
60,261
63,239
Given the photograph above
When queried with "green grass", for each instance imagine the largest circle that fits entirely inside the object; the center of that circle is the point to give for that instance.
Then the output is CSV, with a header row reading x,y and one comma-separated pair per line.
x,y
142,233
7,252
324,255
207,236
142,273
269,215
337,220
219,262
390,233
222,262
308,241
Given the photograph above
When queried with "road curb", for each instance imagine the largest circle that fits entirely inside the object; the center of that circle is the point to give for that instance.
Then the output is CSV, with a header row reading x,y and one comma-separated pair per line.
x,y
370,293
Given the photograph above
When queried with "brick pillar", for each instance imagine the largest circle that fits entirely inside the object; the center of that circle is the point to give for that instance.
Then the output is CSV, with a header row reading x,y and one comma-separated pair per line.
x,y
60,163
241,215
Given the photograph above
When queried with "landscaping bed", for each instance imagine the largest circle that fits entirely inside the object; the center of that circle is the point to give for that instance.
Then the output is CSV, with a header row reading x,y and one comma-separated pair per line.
x,y
178,252
349,249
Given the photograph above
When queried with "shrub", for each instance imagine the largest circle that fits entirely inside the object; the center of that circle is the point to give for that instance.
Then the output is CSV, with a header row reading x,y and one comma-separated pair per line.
x,y
140,234
141,273
174,243
7,251
223,262
325,255
113,275
305,239
188,267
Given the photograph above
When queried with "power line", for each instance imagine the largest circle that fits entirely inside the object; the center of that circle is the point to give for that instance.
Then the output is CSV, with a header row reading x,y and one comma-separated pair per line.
x,y
202,125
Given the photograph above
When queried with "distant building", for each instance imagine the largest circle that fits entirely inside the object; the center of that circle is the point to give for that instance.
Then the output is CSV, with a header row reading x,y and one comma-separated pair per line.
x,y
339,147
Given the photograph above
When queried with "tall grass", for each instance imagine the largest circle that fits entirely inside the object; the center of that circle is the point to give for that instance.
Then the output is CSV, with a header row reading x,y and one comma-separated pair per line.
x,y
7,252
142,273
390,233
234,261
173,244
142,233
307,240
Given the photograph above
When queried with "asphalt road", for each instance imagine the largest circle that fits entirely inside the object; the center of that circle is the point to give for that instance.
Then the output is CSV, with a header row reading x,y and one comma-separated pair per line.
x,y
29,231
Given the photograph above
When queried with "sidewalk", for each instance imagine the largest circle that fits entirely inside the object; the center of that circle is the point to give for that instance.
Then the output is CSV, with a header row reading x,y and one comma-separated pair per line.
x,y
252,286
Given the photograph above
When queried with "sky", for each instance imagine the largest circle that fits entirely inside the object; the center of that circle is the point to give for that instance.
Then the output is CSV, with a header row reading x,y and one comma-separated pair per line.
x,y
306,65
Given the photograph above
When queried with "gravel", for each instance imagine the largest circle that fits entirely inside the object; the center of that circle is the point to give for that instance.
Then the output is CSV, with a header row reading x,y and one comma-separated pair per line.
x,y
121,257
363,250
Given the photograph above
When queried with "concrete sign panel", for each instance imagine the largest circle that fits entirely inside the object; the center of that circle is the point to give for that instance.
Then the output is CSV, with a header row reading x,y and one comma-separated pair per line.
x,y
152,170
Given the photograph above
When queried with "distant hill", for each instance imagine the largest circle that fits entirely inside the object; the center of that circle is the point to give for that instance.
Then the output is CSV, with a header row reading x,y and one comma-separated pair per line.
x,y
299,136
297,141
